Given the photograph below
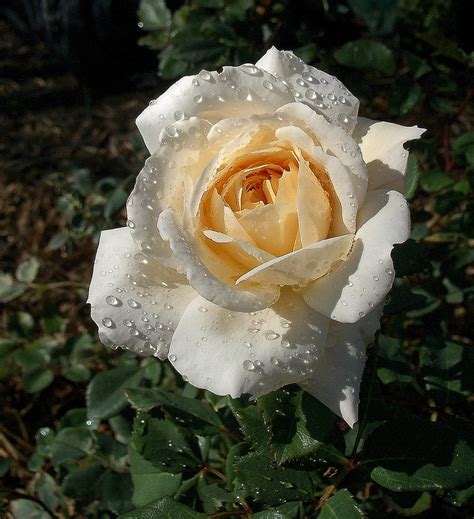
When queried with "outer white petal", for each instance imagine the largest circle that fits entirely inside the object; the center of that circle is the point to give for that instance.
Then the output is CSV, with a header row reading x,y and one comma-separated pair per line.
x,y
161,183
381,144
364,279
334,141
336,382
324,93
304,265
135,302
235,353
200,277
236,91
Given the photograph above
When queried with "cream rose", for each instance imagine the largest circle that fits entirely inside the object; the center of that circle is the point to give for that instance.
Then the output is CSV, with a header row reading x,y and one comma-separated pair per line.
x,y
257,252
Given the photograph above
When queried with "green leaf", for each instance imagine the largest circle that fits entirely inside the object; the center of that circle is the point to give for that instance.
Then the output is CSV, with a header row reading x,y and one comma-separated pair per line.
x,y
257,477
116,492
165,508
341,506
35,381
192,413
252,424
213,496
27,270
461,497
286,511
80,484
366,54
4,466
409,258
300,425
106,391
47,490
27,509
71,443
8,290
435,180
163,444
412,177
115,201
409,455
78,373
154,15
58,240
393,365
149,482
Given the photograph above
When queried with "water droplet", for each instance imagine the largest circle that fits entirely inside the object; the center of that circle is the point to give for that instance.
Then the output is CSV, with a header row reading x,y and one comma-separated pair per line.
x,y
375,278
268,85
108,323
131,224
274,361
171,131
271,335
285,343
302,83
195,82
172,358
308,77
133,304
251,69
389,271
248,365
179,115
198,99
112,301
204,74
361,314
168,306
203,309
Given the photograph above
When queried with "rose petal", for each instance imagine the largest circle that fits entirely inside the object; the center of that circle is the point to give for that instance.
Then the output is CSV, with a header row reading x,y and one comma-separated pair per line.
x,y
220,291
272,227
314,211
333,140
324,93
161,183
336,381
235,353
381,144
244,90
140,317
344,204
364,279
304,265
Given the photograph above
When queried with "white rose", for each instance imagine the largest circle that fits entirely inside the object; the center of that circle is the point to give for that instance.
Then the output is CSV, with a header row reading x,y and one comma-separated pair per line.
x,y
257,252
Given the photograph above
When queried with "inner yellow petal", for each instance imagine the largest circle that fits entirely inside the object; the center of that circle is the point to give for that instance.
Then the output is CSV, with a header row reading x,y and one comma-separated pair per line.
x,y
314,209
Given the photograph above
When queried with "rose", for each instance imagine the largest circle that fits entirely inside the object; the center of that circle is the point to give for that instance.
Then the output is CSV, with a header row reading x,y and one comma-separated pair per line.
x,y
257,251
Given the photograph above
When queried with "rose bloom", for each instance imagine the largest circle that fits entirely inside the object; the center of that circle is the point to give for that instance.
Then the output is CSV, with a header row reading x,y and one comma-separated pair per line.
x,y
257,250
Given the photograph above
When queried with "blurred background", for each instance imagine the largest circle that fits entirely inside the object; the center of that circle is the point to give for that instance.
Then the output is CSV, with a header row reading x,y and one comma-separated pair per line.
x,y
74,75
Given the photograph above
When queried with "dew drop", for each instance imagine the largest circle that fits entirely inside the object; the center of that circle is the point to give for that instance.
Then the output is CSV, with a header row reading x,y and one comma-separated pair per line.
x,y
274,361
172,358
179,115
203,309
248,365
204,74
131,224
197,99
268,85
271,335
112,301
108,323
375,278
133,304
285,343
